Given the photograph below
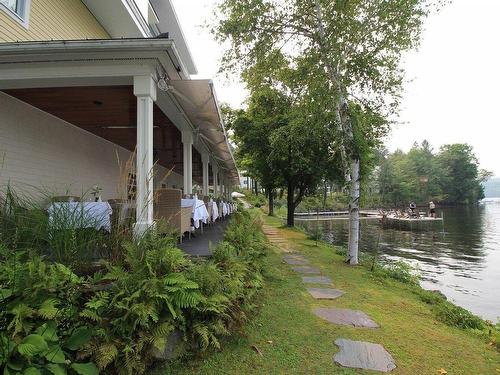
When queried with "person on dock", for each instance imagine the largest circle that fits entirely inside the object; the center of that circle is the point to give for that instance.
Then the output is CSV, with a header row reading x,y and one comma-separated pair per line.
x,y
413,206
432,209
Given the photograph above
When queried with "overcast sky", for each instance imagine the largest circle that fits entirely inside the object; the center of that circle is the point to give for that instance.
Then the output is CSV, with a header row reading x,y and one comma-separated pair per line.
x,y
454,79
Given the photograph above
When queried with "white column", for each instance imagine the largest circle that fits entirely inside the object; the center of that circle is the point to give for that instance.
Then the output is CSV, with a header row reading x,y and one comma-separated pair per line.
x,y
215,171
145,91
222,186
205,160
187,142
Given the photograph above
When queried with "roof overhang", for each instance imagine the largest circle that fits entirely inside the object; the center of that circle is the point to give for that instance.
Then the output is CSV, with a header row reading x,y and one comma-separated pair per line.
x,y
190,105
169,23
120,18
199,100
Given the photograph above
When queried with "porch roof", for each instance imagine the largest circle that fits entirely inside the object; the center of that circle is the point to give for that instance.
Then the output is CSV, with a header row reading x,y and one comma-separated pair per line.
x,y
189,104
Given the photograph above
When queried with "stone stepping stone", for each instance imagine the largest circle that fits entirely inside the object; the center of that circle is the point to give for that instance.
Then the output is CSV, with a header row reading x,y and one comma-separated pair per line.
x,y
295,261
317,280
363,355
306,269
346,317
325,293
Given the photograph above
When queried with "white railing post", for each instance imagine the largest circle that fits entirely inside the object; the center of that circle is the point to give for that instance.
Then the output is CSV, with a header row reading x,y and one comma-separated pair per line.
x,y
187,143
215,171
205,160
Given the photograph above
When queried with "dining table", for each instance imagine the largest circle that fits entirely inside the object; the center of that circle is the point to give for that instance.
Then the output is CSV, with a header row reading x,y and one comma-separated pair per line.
x,y
73,215
199,210
215,209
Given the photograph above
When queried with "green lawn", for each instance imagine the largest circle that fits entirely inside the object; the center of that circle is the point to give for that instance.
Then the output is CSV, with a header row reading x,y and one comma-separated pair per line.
x,y
294,341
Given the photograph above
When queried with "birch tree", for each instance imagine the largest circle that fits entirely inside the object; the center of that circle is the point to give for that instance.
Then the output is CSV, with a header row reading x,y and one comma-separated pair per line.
x,y
353,47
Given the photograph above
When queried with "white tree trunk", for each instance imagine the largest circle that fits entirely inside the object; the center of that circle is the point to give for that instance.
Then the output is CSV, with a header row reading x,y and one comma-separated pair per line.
x,y
354,213
345,129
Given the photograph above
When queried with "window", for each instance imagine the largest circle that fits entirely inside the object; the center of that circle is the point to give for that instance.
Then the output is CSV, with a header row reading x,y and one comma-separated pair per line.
x,y
18,9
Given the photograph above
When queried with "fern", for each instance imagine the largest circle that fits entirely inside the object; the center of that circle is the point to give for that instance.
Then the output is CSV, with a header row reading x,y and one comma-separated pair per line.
x,y
48,309
106,354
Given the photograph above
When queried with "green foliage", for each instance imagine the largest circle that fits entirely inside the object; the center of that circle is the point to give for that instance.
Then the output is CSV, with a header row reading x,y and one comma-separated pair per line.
x,y
334,68
457,316
315,234
69,238
451,176
400,271
258,200
449,313
42,330
57,322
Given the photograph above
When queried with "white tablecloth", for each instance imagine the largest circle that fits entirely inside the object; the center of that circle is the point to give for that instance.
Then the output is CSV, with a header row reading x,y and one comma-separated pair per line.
x,y
200,212
70,215
215,210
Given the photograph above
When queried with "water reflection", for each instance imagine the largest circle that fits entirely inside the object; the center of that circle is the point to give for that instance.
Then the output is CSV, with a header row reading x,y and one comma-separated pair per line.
x,y
462,259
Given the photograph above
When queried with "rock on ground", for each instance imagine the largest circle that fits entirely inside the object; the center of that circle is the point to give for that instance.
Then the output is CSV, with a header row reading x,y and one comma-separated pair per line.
x,y
363,355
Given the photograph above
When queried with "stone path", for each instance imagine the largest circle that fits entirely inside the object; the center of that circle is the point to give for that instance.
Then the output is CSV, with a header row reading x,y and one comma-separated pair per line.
x,y
306,269
316,280
353,354
325,293
295,260
346,317
364,355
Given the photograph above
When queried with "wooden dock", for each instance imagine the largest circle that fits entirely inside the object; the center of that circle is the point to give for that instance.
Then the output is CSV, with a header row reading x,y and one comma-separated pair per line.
x,y
405,223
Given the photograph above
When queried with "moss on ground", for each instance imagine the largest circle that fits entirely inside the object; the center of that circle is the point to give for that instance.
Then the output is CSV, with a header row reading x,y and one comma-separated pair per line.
x,y
294,341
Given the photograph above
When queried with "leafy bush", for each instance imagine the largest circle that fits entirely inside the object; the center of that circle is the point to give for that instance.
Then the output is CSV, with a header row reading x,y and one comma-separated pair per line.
x,y
258,200
69,238
449,313
315,234
118,319
457,316
41,332
400,271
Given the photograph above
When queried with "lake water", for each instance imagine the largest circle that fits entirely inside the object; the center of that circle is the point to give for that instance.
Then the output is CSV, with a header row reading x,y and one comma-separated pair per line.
x,y
461,258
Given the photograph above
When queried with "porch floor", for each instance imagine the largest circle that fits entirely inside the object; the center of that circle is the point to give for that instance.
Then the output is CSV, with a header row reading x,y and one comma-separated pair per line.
x,y
202,244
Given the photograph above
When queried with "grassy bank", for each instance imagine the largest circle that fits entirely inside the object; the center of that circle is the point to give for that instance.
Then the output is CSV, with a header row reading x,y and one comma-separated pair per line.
x,y
293,341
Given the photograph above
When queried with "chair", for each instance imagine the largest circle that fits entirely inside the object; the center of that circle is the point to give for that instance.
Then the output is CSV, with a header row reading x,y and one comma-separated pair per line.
x,y
167,207
123,215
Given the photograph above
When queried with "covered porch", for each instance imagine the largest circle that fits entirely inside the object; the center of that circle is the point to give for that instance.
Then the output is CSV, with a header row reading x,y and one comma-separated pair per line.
x,y
131,100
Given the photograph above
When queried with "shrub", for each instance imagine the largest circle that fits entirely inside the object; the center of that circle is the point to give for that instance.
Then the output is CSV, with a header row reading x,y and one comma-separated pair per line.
x,y
315,234
116,320
400,271
457,316
449,313
41,331
258,200
25,226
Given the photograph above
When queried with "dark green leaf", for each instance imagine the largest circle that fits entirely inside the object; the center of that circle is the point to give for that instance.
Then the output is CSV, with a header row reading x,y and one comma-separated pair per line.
x,y
55,354
80,337
56,369
85,368
32,345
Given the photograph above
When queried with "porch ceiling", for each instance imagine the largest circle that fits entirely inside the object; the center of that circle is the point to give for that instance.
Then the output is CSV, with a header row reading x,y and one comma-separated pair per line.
x,y
110,113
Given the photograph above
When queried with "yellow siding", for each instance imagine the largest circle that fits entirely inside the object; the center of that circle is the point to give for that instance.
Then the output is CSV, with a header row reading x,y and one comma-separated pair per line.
x,y
53,19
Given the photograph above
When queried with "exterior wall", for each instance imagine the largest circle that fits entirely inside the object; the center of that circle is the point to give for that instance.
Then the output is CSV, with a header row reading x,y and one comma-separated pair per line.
x,y
53,19
44,156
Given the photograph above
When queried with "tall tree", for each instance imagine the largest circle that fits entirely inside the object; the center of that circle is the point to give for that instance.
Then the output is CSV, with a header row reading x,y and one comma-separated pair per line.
x,y
462,179
353,48
252,130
